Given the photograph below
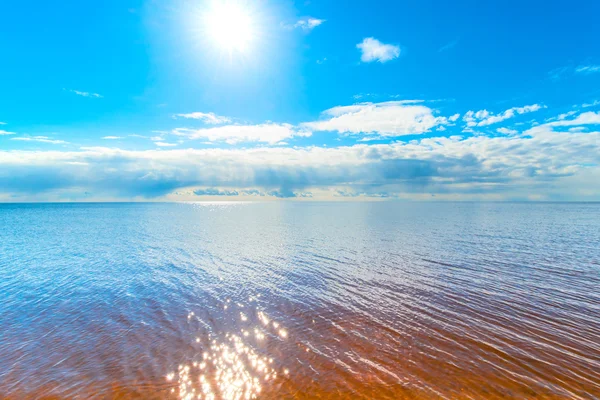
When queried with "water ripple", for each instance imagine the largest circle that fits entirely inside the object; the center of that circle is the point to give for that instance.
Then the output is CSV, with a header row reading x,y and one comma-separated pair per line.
x,y
300,300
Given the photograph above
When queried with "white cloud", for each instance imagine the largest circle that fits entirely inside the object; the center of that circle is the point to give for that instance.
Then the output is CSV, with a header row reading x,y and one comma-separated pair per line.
x,y
208,118
540,160
587,69
270,133
506,131
567,114
308,24
392,118
454,118
86,94
373,50
586,118
558,73
2,123
165,144
3,132
41,139
112,137
592,104
484,117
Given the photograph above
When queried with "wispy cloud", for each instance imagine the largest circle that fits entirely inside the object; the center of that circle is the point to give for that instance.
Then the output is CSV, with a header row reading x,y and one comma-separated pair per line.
x,y
448,46
41,139
506,131
360,96
208,118
484,117
2,123
564,115
3,132
112,137
558,73
586,118
85,94
587,69
165,144
270,133
373,50
592,104
392,118
307,24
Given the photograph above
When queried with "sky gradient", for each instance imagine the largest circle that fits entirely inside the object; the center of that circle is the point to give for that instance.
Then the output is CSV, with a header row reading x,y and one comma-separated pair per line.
x,y
239,100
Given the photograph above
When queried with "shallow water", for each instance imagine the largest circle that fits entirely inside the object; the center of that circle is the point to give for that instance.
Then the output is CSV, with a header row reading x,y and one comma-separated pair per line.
x,y
300,300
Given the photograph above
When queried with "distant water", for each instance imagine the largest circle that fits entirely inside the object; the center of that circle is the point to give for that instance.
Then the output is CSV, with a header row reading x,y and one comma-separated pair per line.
x,y
300,300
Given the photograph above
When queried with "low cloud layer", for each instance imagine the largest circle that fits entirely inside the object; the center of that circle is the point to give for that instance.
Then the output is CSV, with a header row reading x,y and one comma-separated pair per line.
x,y
544,162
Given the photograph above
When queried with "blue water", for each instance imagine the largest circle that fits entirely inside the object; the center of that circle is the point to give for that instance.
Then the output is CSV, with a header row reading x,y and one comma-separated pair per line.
x,y
300,299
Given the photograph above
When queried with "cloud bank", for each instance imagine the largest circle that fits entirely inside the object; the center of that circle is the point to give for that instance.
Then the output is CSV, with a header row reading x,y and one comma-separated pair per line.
x,y
543,162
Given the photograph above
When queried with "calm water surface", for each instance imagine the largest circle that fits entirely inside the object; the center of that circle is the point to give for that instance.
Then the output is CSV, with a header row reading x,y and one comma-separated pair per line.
x,y
300,300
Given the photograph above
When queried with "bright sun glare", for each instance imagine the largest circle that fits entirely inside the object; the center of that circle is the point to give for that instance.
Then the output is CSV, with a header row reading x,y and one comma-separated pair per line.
x,y
230,26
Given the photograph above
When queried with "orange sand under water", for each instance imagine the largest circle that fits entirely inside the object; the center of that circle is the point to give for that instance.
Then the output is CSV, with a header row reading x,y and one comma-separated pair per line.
x,y
325,356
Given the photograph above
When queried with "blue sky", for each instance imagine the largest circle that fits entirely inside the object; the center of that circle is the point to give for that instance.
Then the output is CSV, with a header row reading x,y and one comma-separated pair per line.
x,y
192,100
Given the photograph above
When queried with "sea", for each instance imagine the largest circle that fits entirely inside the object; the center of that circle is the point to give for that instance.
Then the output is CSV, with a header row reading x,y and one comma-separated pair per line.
x,y
300,300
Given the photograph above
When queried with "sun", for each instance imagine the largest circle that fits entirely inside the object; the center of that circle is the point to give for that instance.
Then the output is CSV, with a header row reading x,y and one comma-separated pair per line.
x,y
230,26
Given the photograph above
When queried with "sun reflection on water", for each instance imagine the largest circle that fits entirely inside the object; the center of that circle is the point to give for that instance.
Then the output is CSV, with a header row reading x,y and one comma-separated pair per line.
x,y
230,369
